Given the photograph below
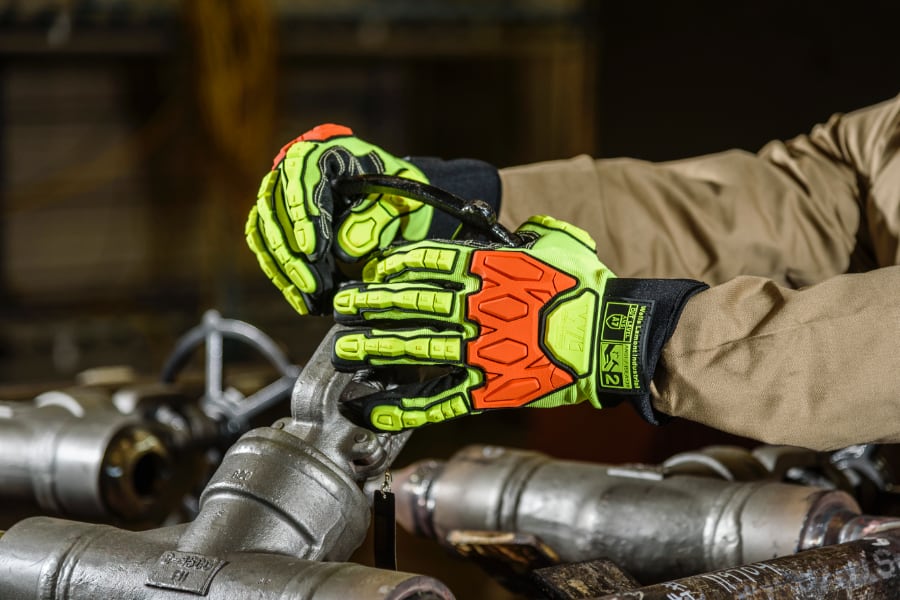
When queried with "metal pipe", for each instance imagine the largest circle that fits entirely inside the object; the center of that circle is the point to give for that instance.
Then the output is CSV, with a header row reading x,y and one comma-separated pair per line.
x,y
866,568
275,493
655,527
868,526
283,497
69,457
294,488
96,561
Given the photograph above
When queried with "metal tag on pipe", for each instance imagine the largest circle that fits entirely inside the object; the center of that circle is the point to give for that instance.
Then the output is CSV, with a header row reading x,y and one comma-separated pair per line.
x,y
385,531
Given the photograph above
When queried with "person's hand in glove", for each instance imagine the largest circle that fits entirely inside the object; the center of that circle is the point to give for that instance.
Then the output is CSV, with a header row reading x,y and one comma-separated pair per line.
x,y
543,325
296,214
302,232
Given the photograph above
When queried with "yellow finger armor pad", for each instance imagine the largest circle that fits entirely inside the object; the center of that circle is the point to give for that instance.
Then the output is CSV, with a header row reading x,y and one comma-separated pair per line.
x,y
251,232
290,291
271,271
295,299
267,185
387,418
358,347
298,185
305,234
300,274
268,227
351,301
448,409
433,259
297,272
395,418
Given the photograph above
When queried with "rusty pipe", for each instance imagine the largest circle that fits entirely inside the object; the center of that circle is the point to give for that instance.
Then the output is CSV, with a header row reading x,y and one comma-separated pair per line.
x,y
865,568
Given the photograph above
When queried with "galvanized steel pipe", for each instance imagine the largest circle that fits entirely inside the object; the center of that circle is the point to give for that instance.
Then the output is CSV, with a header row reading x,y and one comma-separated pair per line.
x,y
283,497
653,526
72,459
52,559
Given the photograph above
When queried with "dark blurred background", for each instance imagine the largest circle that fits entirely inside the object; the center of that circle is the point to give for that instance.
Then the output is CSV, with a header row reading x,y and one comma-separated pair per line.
x,y
133,134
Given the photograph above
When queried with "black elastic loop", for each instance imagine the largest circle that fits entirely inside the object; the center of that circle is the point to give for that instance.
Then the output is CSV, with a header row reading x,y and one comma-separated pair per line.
x,y
475,213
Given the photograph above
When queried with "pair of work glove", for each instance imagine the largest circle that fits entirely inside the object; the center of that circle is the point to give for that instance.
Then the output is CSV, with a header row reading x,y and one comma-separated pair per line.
x,y
541,325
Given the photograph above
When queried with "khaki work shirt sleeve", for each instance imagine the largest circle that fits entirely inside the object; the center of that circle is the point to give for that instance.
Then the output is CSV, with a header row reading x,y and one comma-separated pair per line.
x,y
797,212
753,355
816,367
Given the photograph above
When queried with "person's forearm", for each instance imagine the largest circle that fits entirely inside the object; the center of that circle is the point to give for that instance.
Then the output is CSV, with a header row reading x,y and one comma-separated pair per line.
x,y
815,367
867,143
790,213
711,218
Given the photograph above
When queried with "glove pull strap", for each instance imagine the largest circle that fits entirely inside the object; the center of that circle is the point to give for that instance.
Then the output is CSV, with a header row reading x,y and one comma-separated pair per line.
x,y
385,526
476,214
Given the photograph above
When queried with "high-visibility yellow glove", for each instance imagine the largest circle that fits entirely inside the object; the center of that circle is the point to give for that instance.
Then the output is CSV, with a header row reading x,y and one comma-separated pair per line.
x,y
299,227
543,325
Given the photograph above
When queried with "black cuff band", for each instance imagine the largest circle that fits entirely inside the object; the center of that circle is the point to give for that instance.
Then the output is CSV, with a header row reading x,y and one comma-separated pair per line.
x,y
639,317
467,178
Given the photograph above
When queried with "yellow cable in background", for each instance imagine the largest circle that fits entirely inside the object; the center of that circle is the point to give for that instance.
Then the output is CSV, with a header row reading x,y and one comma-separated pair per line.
x,y
234,69
235,54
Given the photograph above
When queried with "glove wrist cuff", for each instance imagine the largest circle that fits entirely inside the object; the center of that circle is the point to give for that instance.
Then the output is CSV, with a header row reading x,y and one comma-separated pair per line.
x,y
638,316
